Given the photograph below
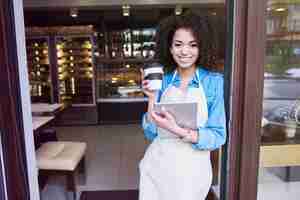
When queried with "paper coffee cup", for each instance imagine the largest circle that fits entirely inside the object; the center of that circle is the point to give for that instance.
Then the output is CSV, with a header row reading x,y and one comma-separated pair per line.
x,y
154,73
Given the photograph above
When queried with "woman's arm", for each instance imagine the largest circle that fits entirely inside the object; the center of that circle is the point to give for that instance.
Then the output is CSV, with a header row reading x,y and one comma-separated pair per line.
x,y
150,128
209,137
213,134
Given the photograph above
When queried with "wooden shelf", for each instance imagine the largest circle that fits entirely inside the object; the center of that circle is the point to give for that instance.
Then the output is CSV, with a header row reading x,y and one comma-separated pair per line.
x,y
284,36
44,87
84,93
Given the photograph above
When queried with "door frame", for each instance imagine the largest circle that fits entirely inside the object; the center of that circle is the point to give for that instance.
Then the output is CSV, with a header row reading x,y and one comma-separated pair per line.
x,y
19,179
12,136
245,97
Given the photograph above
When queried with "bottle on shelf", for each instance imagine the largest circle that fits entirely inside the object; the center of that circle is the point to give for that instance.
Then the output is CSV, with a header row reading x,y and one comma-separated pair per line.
x,y
38,69
76,69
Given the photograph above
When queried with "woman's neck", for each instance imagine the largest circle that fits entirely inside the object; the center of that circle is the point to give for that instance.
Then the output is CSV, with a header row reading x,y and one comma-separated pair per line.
x,y
186,74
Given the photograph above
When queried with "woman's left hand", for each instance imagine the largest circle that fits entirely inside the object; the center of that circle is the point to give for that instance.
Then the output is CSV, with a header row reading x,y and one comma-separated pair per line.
x,y
165,120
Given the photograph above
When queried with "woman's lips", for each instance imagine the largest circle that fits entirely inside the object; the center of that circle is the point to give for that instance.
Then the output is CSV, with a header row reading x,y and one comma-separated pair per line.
x,y
185,59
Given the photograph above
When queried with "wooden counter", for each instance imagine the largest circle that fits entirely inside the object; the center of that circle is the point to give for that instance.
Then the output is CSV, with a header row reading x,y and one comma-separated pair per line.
x,y
277,150
39,109
121,110
40,122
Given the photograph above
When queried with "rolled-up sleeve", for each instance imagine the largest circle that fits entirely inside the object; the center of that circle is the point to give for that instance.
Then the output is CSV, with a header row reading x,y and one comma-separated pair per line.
x,y
150,129
213,134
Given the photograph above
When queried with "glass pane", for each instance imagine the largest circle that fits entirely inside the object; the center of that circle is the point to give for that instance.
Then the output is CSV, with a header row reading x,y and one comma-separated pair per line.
x,y
279,172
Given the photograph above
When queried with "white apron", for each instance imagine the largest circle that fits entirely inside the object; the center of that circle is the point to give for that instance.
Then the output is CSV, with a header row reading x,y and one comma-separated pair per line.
x,y
171,169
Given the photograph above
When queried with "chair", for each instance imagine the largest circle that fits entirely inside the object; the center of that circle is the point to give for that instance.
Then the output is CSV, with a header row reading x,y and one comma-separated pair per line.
x,y
62,158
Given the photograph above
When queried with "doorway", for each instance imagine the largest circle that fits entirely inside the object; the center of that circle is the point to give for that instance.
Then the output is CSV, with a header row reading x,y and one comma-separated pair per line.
x,y
221,52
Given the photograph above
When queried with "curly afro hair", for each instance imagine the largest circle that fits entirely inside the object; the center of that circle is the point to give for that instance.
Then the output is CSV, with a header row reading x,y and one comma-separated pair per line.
x,y
202,30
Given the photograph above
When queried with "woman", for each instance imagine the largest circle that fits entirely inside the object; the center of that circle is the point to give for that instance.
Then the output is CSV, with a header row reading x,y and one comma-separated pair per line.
x,y
176,165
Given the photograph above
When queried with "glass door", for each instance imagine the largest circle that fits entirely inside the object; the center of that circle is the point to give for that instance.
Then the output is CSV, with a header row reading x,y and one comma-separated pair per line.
x,y
279,164
123,54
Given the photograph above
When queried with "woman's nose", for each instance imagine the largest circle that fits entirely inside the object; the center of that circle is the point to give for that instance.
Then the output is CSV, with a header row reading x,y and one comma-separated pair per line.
x,y
185,49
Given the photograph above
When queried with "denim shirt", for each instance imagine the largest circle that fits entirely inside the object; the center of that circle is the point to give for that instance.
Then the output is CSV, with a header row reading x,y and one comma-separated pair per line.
x,y
213,134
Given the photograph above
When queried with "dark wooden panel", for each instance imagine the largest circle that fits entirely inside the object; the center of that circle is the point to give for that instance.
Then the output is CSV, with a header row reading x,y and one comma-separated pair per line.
x,y
247,88
53,68
238,70
85,115
121,113
108,112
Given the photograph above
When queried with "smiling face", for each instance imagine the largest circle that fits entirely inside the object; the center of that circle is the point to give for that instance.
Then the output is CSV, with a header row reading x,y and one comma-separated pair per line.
x,y
184,48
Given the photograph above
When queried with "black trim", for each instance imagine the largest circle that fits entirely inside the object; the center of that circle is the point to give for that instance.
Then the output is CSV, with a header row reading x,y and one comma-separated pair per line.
x,y
227,85
154,76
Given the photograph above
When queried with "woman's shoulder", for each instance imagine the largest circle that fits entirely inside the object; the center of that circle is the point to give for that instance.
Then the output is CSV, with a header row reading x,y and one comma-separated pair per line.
x,y
212,82
210,75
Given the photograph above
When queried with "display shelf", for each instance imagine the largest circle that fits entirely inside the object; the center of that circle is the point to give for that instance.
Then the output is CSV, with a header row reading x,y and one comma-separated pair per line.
x,y
119,80
118,70
37,49
128,43
75,69
72,72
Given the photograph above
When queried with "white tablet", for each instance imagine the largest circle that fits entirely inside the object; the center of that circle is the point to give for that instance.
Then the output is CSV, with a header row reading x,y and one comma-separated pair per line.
x,y
185,113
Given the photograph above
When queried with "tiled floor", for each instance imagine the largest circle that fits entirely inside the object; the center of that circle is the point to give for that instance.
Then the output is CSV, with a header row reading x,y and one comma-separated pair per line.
x,y
112,159
272,187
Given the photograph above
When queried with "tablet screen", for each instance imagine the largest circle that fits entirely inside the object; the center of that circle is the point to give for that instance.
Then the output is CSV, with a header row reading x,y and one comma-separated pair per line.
x,y
185,113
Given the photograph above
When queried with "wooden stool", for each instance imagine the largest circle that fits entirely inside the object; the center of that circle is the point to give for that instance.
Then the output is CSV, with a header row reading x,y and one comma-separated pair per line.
x,y
62,158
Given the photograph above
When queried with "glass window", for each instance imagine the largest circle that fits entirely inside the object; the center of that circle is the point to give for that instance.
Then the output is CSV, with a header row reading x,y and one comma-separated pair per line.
x,y
279,172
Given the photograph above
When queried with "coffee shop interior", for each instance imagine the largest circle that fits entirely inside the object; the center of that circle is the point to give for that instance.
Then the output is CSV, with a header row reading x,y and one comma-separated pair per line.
x,y
87,104
84,75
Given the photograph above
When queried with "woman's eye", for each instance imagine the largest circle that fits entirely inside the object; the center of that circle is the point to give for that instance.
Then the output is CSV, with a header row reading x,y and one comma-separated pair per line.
x,y
194,45
177,44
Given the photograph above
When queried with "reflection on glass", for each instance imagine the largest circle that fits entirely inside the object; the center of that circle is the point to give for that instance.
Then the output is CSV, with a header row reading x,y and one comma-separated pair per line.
x,y
279,178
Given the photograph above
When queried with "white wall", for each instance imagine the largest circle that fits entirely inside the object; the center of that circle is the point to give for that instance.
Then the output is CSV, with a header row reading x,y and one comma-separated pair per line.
x,y
25,98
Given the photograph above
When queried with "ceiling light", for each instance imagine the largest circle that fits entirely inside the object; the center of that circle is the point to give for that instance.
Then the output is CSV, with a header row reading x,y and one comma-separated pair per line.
x,y
126,10
280,9
74,12
178,10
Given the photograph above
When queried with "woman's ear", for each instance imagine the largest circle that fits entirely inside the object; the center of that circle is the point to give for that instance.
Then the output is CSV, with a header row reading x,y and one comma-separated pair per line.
x,y
171,50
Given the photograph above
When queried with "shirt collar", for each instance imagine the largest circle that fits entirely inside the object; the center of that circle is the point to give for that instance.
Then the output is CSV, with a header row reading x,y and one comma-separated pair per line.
x,y
193,83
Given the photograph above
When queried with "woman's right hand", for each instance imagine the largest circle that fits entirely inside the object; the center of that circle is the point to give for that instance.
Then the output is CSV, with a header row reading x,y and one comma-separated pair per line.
x,y
145,86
